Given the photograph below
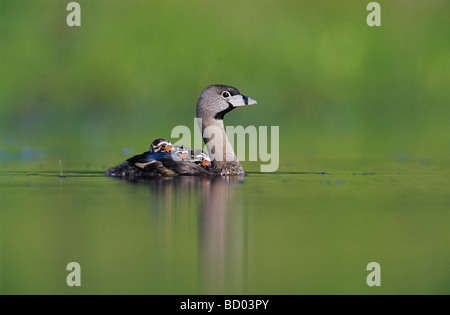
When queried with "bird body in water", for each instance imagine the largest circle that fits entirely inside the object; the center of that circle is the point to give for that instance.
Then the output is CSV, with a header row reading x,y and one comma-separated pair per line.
x,y
165,159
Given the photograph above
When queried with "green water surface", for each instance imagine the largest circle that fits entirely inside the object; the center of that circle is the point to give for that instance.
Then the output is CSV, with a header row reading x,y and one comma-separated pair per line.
x,y
282,233
364,147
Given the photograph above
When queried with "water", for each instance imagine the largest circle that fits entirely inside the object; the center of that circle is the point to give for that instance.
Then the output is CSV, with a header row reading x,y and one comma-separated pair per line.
x,y
95,95
283,233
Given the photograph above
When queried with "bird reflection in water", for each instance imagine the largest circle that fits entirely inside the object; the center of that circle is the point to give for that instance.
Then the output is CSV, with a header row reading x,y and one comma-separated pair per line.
x,y
202,214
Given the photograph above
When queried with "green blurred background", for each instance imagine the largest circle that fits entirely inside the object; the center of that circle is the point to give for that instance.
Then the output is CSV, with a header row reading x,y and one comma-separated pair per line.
x,y
338,89
350,100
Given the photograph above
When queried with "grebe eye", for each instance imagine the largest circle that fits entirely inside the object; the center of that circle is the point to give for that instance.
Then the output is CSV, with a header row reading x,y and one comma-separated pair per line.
x,y
225,94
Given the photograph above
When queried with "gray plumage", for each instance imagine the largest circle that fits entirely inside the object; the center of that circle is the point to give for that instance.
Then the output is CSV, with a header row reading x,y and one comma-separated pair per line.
x,y
214,102
212,106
